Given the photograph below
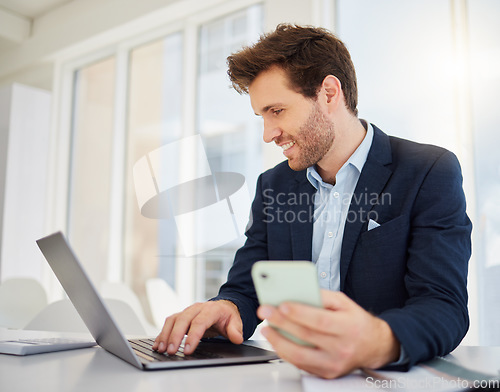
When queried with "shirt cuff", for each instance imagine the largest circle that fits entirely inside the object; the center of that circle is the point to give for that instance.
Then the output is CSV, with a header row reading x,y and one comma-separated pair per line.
x,y
403,358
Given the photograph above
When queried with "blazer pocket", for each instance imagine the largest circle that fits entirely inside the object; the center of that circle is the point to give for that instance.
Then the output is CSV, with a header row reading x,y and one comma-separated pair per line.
x,y
387,231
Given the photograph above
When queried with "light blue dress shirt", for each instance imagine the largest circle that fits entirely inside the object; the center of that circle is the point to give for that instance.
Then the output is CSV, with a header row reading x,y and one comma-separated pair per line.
x,y
331,206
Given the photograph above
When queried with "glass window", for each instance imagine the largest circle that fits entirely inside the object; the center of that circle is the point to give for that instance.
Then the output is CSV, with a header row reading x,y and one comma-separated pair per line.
x,y
225,136
485,94
154,119
230,132
440,85
408,91
92,138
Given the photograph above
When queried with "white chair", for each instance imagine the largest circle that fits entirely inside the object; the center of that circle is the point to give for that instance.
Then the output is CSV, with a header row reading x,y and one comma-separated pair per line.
x,y
163,300
20,300
61,316
120,291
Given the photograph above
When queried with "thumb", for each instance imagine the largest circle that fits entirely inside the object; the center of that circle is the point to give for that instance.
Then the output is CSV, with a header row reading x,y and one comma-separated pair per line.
x,y
234,330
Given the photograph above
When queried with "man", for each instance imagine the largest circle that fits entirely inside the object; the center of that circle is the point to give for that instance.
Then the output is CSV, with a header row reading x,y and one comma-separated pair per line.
x,y
382,218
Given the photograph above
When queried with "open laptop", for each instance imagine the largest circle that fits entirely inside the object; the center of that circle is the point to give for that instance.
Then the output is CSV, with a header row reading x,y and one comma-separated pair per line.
x,y
137,352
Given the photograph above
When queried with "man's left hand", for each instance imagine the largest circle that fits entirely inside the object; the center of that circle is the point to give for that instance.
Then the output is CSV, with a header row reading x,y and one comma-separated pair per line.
x,y
344,335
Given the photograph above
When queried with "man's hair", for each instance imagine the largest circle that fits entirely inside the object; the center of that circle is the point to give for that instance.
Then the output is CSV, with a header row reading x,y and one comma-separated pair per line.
x,y
306,54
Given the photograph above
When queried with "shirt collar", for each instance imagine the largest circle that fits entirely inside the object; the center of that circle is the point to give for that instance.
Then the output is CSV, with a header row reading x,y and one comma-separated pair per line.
x,y
357,159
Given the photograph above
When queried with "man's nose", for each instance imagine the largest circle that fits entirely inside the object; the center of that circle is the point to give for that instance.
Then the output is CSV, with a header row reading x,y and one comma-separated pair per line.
x,y
271,131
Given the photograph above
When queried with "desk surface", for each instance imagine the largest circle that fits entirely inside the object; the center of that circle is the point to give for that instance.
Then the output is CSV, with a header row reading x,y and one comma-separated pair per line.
x,y
94,369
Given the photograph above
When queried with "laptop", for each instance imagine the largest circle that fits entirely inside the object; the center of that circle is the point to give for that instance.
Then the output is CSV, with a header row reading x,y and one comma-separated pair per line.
x,y
25,342
137,352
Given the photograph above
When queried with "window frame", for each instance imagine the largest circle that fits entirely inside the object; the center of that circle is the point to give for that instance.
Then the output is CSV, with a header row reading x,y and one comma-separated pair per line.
x,y
181,18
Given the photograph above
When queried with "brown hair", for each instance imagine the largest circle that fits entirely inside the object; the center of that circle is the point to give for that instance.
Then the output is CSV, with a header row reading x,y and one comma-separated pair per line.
x,y
307,54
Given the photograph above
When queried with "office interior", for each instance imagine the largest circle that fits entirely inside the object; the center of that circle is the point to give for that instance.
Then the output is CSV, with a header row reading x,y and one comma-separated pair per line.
x,y
88,88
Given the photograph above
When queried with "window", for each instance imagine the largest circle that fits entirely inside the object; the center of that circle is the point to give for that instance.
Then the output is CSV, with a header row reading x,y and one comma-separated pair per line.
x,y
484,52
230,131
92,138
162,105
154,119
439,85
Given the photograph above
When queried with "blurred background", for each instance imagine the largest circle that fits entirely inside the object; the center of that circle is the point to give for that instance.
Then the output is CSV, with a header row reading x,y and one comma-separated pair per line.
x,y
88,87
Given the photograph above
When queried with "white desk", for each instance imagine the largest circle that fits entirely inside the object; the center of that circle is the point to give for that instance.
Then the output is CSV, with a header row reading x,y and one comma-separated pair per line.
x,y
93,369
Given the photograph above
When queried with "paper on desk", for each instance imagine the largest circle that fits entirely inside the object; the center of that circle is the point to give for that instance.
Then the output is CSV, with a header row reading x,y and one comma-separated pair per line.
x,y
355,382
420,380
437,375
416,380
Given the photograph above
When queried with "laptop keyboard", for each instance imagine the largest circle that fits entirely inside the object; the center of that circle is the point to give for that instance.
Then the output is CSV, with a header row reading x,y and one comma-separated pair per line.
x,y
143,348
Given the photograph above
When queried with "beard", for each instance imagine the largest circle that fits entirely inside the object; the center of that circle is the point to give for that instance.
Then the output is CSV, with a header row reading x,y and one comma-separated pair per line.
x,y
314,139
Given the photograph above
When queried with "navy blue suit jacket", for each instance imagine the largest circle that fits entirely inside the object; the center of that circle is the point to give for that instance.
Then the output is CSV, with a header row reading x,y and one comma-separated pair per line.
x,y
410,271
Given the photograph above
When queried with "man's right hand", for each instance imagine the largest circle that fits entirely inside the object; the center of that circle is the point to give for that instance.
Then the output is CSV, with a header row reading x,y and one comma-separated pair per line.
x,y
207,319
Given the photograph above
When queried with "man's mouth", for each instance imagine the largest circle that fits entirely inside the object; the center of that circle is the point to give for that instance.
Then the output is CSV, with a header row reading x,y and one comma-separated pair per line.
x,y
287,146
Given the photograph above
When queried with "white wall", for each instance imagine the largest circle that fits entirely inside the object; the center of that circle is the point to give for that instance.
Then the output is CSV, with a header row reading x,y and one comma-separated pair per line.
x,y
40,75
5,98
25,114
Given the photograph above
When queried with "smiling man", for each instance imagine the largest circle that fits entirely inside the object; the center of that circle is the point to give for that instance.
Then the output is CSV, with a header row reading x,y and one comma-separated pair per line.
x,y
382,218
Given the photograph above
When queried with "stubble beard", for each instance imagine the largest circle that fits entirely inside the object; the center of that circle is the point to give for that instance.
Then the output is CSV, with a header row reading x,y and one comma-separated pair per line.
x,y
314,139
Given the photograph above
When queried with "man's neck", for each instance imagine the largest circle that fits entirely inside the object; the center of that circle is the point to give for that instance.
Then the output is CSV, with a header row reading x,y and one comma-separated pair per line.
x,y
348,137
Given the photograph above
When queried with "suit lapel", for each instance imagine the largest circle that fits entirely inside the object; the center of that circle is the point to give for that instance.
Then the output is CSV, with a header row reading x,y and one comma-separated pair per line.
x,y
301,222
372,181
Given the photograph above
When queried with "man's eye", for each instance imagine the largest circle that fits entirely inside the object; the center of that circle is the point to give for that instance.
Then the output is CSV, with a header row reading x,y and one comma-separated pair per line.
x,y
277,111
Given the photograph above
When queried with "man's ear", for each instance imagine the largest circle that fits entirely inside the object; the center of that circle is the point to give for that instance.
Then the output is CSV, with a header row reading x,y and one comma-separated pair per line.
x,y
332,91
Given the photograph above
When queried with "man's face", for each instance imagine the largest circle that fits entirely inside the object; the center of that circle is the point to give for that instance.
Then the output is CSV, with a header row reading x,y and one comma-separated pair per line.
x,y
294,122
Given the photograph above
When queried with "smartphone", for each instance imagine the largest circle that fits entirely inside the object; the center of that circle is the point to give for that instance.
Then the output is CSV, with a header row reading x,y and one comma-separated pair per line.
x,y
287,281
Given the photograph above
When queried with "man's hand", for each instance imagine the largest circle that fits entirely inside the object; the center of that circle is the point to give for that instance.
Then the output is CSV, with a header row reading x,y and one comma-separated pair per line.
x,y
200,320
345,336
